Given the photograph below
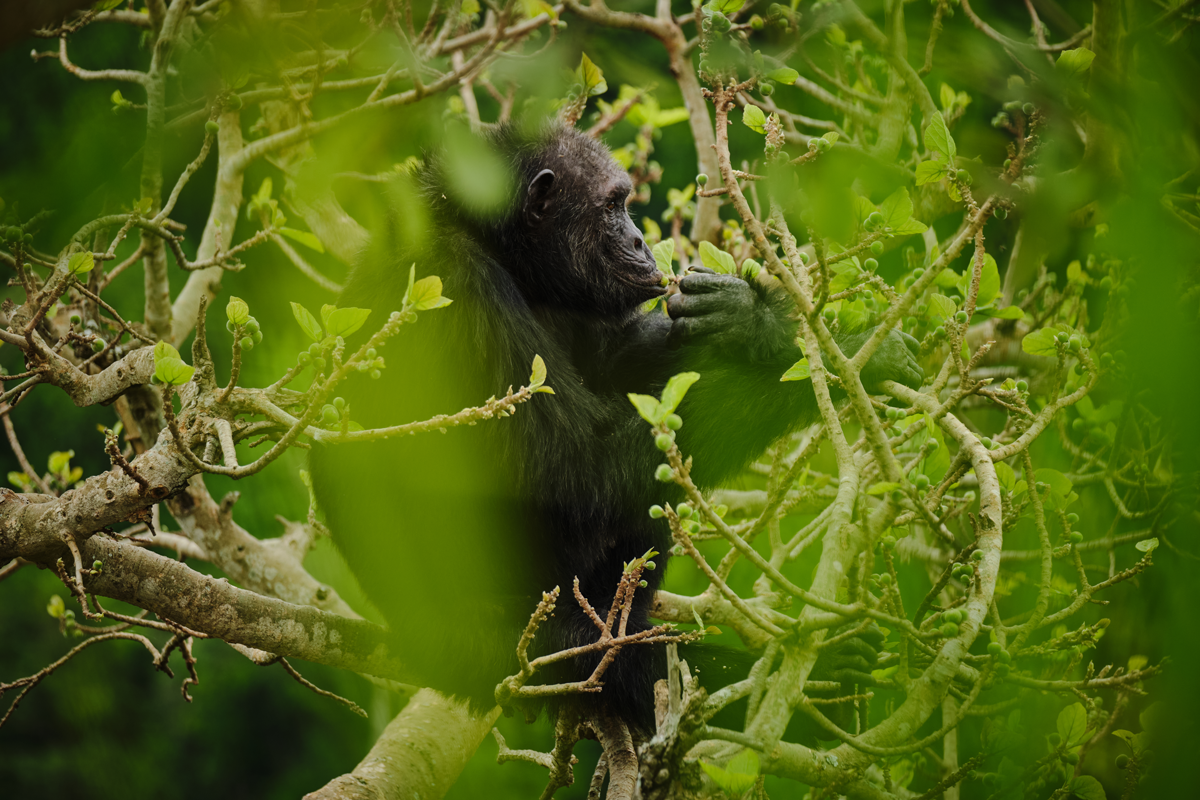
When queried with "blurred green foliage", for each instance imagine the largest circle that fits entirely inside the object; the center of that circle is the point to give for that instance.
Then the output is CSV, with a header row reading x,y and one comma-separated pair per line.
x,y
107,726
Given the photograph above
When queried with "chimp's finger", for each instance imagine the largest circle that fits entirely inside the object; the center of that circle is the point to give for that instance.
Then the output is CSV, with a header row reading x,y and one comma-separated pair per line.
x,y
692,305
701,282
911,343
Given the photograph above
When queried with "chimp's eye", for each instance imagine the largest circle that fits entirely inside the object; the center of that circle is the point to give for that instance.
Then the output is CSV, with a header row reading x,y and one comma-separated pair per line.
x,y
611,206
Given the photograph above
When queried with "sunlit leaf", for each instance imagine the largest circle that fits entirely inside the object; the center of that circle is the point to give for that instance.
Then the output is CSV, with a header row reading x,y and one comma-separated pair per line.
x,y
426,294
797,372
938,138
930,172
675,389
754,119
1072,723
538,376
591,77
308,323
345,321
664,254
784,75
237,311
305,238
716,259
648,407
1074,62
81,263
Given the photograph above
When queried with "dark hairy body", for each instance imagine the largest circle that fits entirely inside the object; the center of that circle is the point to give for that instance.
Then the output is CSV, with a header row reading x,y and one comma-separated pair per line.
x,y
454,537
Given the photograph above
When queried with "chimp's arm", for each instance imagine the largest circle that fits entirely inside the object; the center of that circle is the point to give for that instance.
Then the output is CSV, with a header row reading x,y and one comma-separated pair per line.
x,y
740,337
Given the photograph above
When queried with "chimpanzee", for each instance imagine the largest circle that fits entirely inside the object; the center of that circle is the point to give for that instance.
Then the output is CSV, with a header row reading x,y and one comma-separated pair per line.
x,y
455,536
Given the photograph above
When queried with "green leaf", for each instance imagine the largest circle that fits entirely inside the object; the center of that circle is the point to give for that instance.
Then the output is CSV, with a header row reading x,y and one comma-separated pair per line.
x,y
784,75
81,263
897,208
308,323
930,172
1085,787
591,77
165,350
1008,312
1072,723
883,488
20,480
675,389
942,306
845,275
345,321
326,310
1147,545
426,294
59,462
55,607
831,137
1041,342
470,7
533,8
1074,62
947,96
797,372
754,119
725,6
648,407
173,371
734,782
939,140
716,259
1006,476
305,238
237,311
750,269
538,376
1075,273
664,254
989,280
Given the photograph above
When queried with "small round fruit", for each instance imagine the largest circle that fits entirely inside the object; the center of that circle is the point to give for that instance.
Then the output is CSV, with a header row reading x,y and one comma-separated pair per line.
x,y
1072,518
1122,761
1075,343
663,442
329,415
304,358
705,67
876,217
1022,385
1004,657
643,584
1002,212
234,102
756,23
885,579
824,145
921,481
870,265
1054,739
76,319
650,565
939,332
988,443
376,374
684,511
766,89
319,363
1076,537
1106,283
1071,758
977,555
98,345
257,336
949,629
1002,670
953,615
211,126
339,403
247,343
1078,425
1028,109
877,247
657,512
701,179
674,422
664,473
995,648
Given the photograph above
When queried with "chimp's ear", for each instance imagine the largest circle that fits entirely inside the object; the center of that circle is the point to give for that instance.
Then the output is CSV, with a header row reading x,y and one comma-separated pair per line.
x,y
538,199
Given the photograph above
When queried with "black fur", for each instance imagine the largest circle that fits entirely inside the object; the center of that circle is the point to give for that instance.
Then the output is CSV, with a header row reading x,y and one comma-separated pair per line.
x,y
454,537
